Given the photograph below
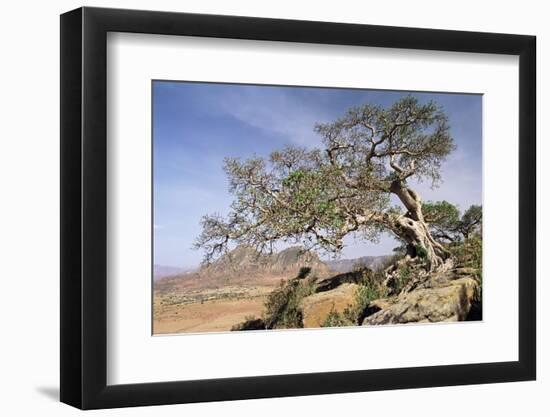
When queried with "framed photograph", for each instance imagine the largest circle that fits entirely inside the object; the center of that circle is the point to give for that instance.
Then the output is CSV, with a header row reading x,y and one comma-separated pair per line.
x,y
258,208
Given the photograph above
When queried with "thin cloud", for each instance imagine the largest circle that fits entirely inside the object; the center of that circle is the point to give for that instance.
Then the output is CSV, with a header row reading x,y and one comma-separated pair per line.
x,y
278,112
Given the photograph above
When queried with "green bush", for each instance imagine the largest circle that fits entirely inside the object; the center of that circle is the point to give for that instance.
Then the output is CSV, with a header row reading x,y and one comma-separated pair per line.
x,y
282,307
469,254
367,292
404,275
335,319
476,255
421,251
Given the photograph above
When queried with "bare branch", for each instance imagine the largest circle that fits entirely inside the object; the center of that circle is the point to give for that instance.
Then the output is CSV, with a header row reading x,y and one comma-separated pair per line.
x,y
317,197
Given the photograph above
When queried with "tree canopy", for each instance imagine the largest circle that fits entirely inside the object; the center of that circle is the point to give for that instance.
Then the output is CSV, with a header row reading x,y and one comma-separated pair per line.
x,y
315,197
443,218
446,223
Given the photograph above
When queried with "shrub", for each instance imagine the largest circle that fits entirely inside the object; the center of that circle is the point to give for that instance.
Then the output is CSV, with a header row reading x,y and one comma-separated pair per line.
x,y
249,323
469,253
421,251
476,255
404,275
335,319
282,307
366,293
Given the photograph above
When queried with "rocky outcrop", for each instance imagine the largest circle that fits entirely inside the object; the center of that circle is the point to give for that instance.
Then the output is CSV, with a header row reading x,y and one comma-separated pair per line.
x,y
317,307
329,283
452,296
244,266
245,260
348,299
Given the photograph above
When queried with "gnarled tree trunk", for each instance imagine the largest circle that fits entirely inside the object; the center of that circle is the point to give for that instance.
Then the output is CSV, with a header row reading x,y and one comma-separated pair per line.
x,y
419,241
412,228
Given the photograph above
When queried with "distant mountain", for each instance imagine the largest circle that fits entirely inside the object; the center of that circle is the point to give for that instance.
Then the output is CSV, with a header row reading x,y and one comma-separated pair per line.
x,y
244,260
163,271
244,266
348,265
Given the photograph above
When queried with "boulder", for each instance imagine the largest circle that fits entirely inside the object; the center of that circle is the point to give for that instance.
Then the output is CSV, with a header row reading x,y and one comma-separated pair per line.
x,y
450,300
375,306
329,283
315,308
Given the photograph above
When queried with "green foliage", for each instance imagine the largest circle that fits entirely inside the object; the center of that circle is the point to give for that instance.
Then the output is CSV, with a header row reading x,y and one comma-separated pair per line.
x,y
445,221
443,218
367,292
282,307
440,212
469,254
421,251
471,221
476,247
317,196
335,319
404,275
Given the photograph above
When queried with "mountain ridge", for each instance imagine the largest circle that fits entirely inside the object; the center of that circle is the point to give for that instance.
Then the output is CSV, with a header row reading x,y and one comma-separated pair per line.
x,y
349,264
163,271
244,266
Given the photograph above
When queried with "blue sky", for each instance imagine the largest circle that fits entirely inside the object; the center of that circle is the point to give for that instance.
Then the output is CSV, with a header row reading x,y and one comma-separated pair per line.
x,y
197,125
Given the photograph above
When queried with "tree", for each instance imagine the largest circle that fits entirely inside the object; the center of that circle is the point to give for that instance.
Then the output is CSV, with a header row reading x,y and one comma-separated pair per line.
x,y
445,221
471,221
317,197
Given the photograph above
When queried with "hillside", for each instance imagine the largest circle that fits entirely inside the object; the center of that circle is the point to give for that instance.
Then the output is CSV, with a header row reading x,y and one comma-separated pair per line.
x,y
163,271
244,266
348,265
224,293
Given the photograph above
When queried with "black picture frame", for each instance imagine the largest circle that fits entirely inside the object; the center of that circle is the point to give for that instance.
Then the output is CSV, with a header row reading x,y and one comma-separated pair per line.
x,y
84,207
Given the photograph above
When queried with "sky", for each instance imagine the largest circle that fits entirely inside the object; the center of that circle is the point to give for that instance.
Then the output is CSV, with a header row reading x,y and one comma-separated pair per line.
x,y
197,125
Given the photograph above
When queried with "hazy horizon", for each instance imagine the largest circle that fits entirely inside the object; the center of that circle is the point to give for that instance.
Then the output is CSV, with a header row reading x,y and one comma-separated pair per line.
x,y
196,125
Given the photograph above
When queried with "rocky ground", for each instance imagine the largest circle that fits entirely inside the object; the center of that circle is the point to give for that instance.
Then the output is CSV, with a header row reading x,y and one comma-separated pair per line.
x,y
450,295
262,296
453,295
